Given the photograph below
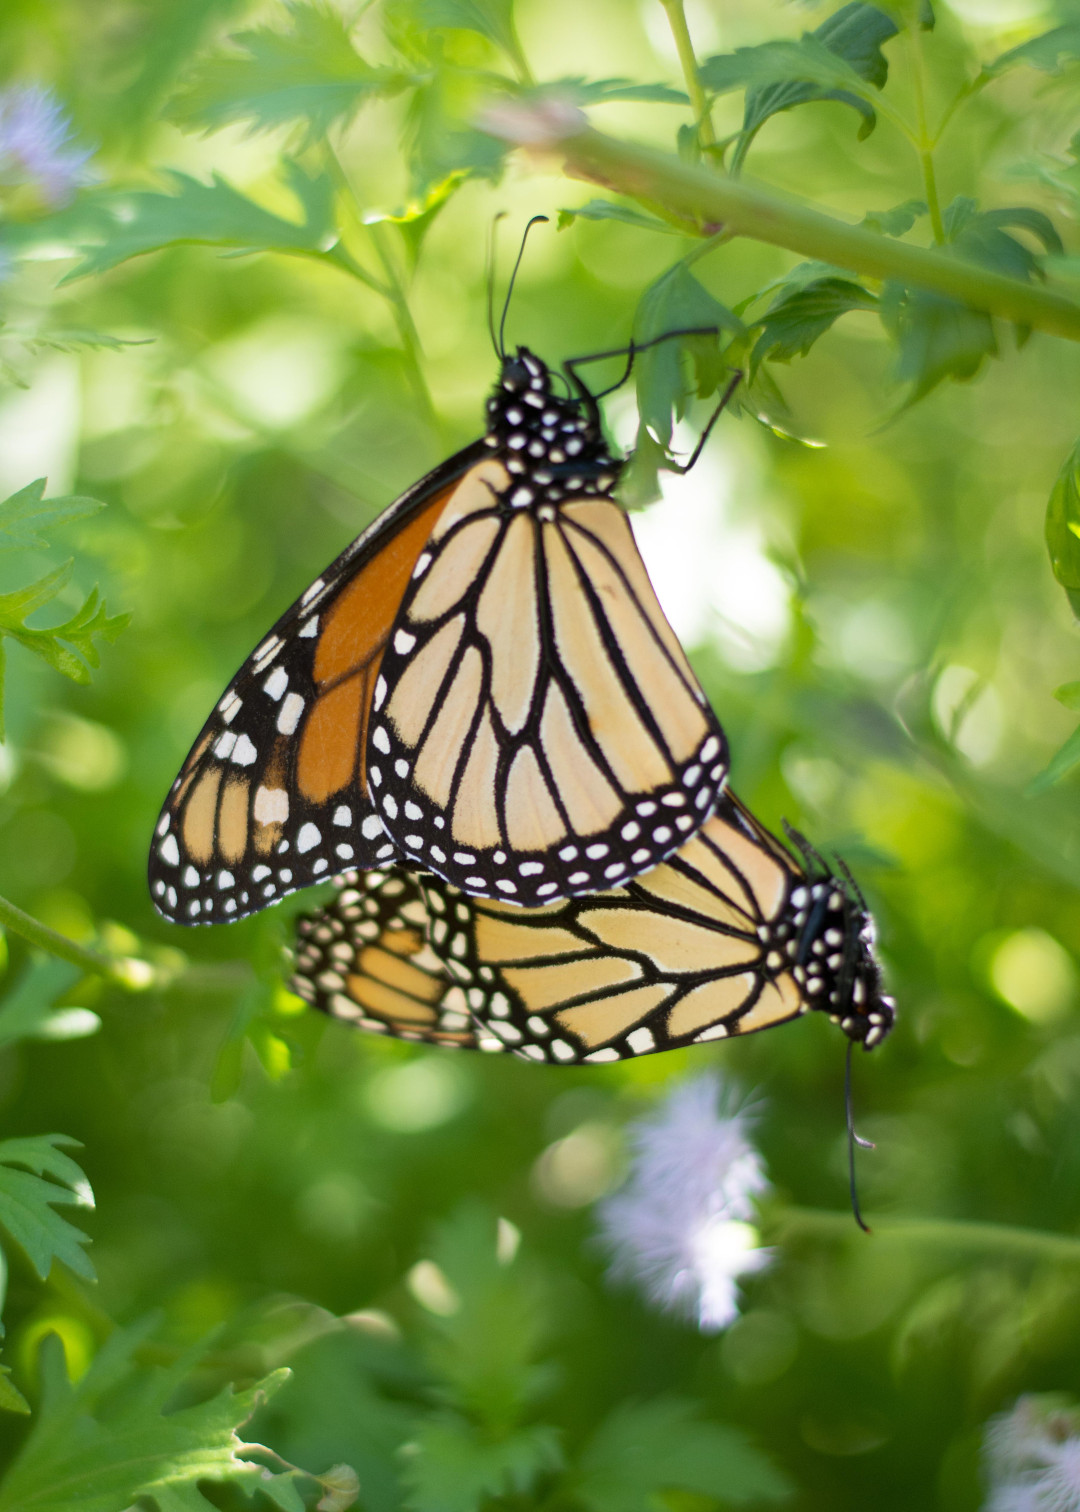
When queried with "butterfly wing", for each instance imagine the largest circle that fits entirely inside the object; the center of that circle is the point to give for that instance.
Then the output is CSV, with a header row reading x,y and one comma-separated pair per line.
x,y
537,731
273,795
727,937
364,958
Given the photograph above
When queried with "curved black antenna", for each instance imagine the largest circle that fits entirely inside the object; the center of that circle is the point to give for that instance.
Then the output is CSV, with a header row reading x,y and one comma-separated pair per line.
x,y
853,1140
491,280
501,348
845,871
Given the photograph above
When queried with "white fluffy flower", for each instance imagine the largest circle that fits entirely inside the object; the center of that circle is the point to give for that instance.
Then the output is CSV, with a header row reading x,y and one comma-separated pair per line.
x,y
34,151
1033,1457
680,1226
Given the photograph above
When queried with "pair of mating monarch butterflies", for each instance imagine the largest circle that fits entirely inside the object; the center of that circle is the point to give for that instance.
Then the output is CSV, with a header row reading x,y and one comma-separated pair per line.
x,y
482,697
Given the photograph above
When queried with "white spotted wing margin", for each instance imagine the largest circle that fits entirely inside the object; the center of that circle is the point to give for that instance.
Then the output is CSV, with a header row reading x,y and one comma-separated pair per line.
x,y
728,937
537,732
272,796
364,958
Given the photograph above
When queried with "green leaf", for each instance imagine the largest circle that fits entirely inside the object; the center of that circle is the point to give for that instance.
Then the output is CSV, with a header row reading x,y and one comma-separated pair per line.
x,y
1060,765
580,91
442,141
452,1467
27,1011
1069,695
27,1201
1063,524
485,1349
938,337
630,215
842,60
310,72
26,513
106,1442
11,1398
493,19
795,320
1048,52
647,1448
215,214
677,302
981,236
895,222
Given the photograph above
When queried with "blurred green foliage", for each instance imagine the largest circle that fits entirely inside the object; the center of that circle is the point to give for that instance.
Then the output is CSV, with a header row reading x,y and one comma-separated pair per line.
x,y
262,319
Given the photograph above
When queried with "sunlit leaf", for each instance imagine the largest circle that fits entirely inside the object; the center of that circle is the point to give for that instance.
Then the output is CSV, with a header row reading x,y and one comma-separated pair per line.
x,y
215,214
107,1442
795,320
841,60
27,1200
28,1012
493,19
442,141
451,1466
310,72
1063,526
647,1448
582,91
1050,51
11,1398
1064,761
27,513
897,221
630,215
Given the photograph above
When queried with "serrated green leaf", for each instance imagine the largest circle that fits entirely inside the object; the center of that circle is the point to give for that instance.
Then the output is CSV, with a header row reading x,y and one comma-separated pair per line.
x,y
106,1442
1064,761
1063,523
796,320
938,337
25,514
80,653
981,236
493,19
1048,52
897,221
581,91
841,60
310,72
11,1398
441,139
647,1448
27,1201
16,606
27,1011
676,302
452,1467
630,215
214,214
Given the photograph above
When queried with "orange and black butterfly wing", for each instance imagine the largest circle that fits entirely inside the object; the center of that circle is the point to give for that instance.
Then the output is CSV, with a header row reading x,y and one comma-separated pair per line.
x,y
365,958
537,731
728,936
273,795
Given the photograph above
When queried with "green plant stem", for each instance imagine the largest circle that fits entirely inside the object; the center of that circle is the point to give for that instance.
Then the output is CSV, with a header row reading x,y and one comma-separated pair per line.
x,y
946,1233
925,144
716,201
35,933
407,332
699,102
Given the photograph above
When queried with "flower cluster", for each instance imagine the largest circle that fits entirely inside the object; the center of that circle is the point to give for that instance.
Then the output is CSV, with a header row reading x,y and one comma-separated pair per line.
x,y
1033,1457
680,1226
37,164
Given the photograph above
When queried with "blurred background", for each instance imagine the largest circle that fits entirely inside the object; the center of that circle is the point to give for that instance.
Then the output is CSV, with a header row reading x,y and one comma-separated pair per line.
x,y
871,609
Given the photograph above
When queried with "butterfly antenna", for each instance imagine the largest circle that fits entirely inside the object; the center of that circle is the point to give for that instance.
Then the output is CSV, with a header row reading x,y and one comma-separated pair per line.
x,y
492,237
501,347
844,870
853,1140
811,856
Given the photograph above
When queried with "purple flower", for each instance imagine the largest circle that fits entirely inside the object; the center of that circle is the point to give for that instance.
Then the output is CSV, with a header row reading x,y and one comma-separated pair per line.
x,y
34,151
1033,1457
680,1226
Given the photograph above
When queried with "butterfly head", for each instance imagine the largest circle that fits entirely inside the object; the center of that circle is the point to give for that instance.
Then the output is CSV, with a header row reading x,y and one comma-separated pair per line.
x,y
835,964
555,437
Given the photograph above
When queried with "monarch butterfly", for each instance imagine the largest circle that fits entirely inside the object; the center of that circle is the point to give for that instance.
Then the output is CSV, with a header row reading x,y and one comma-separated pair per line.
x,y
731,935
483,684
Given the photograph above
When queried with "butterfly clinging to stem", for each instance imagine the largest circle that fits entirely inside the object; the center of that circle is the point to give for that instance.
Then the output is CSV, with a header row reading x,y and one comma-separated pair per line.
x,y
482,686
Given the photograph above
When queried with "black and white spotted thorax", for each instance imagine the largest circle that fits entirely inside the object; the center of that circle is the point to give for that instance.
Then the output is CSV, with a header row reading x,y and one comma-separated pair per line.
x,y
552,446
825,938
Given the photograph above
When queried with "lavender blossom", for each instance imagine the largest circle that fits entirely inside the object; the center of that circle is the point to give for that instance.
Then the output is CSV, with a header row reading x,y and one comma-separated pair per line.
x,y
34,151
1033,1457
680,1226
